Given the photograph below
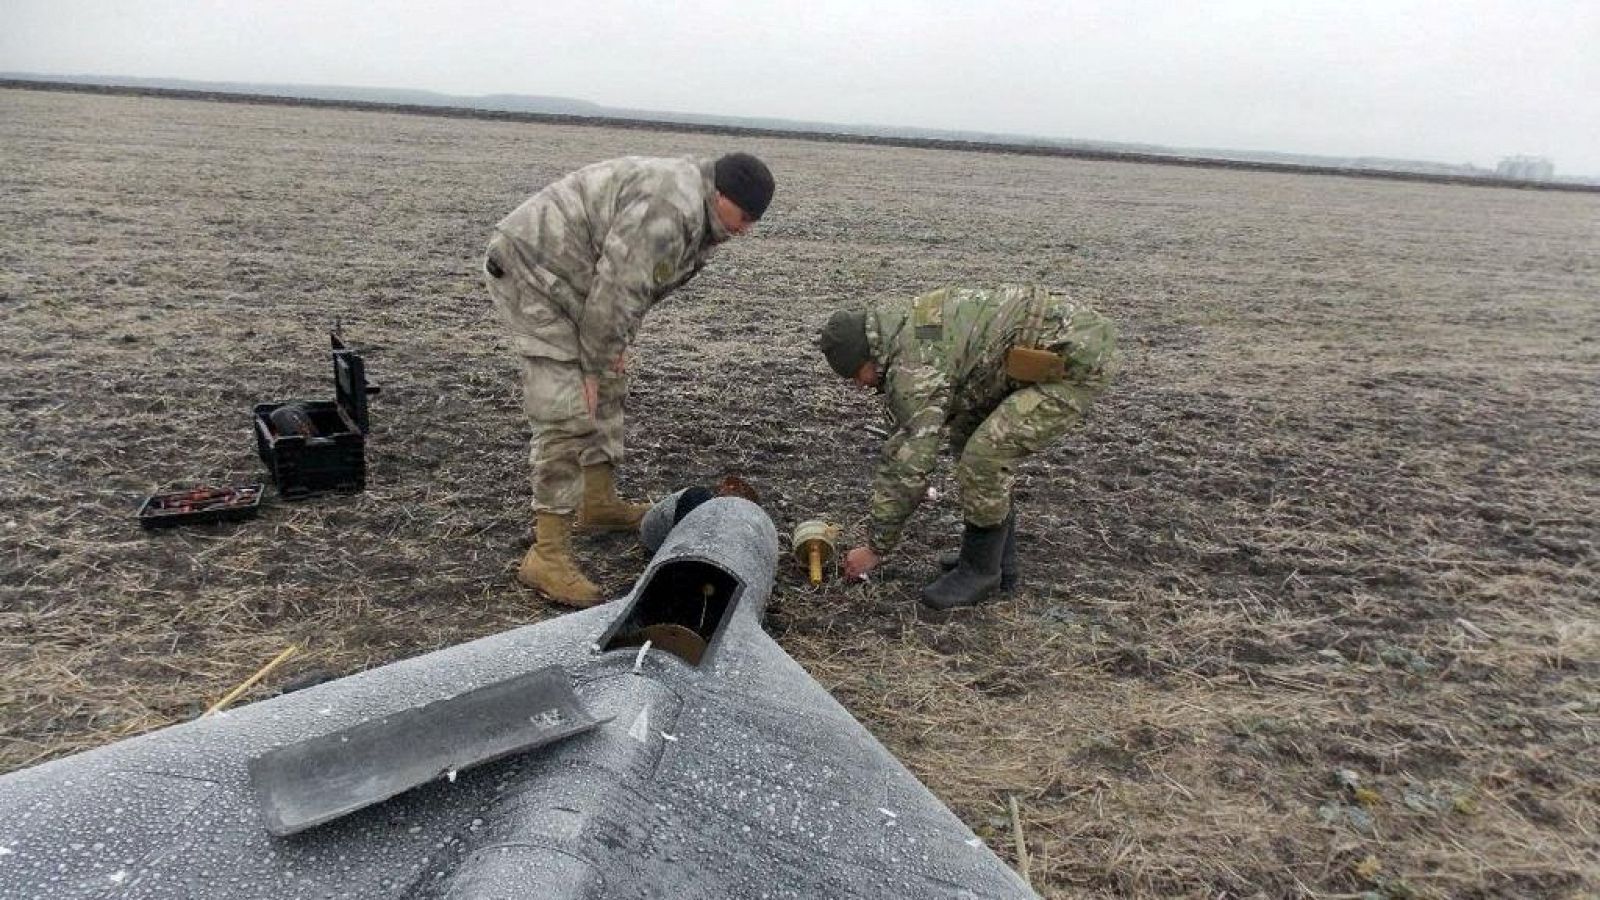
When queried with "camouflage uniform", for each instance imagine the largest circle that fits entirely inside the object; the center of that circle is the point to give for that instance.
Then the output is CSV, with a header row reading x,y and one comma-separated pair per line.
x,y
942,362
579,264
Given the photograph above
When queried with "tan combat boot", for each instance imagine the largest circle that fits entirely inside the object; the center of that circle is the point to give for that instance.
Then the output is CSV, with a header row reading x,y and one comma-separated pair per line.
x,y
548,567
602,509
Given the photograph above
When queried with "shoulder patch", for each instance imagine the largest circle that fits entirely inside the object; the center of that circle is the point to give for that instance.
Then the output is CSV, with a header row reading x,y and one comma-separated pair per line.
x,y
662,272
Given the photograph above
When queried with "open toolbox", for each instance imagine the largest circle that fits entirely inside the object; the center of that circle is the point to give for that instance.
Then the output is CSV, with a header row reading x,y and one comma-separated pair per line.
x,y
318,446
204,504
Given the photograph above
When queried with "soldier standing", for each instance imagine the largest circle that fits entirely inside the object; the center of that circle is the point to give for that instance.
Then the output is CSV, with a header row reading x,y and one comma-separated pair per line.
x,y
1004,371
572,272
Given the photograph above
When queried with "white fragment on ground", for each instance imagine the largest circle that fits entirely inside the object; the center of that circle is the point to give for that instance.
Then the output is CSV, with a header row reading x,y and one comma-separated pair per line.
x,y
933,495
638,661
118,876
450,776
5,851
669,737
325,711
888,812
974,842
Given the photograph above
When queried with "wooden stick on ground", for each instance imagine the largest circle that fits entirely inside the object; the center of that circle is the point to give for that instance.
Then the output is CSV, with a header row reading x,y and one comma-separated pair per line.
x,y
261,673
1022,845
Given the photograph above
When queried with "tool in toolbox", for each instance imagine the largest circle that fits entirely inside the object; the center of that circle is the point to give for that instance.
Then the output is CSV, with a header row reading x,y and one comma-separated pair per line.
x,y
203,504
292,419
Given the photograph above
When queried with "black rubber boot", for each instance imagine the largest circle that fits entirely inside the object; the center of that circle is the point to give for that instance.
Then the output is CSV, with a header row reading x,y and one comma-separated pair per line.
x,y
1010,577
977,573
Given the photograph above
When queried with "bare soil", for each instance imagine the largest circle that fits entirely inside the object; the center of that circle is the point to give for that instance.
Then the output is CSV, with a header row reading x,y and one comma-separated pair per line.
x,y
1310,603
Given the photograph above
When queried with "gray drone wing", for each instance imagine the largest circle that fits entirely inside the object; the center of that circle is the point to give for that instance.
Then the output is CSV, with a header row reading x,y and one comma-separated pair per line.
x,y
709,765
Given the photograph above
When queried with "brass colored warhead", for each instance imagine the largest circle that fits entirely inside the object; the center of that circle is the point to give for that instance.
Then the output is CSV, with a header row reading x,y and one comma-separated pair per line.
x,y
813,545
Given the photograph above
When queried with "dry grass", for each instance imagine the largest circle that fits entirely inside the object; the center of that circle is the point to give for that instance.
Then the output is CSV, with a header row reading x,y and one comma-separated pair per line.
x,y
1336,516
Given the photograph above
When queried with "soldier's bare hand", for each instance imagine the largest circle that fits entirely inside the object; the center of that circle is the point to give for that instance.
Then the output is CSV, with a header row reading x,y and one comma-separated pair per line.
x,y
860,561
621,365
591,395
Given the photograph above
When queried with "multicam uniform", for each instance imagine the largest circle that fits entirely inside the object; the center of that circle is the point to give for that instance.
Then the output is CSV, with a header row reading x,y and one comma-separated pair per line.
x,y
942,359
572,272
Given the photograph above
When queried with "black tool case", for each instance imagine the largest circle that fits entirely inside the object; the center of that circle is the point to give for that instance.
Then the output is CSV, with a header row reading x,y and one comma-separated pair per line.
x,y
332,457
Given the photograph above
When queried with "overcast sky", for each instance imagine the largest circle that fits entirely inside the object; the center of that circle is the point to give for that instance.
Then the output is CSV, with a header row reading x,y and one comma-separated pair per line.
x,y
1460,81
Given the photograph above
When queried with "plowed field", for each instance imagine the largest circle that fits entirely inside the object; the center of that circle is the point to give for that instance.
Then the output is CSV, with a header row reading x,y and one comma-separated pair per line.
x,y
1311,604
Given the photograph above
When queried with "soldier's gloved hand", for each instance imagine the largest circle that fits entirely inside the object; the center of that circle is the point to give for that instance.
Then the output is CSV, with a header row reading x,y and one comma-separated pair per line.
x,y
591,395
860,561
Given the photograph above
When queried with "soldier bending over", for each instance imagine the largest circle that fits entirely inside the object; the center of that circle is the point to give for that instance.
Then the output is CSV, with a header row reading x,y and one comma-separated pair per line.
x,y
1006,371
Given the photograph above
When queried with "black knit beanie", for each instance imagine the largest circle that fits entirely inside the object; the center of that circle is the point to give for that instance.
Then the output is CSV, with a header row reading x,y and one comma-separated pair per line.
x,y
844,342
746,181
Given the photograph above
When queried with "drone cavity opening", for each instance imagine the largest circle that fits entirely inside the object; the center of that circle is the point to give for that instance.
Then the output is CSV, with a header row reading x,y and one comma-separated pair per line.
x,y
682,610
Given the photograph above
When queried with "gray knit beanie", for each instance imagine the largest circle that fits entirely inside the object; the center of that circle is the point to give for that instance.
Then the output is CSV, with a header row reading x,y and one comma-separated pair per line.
x,y
844,342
